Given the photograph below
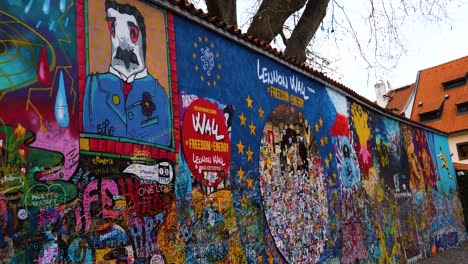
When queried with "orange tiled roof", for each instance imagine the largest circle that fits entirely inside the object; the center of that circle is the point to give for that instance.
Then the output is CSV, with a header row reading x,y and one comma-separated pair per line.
x,y
399,98
429,106
431,92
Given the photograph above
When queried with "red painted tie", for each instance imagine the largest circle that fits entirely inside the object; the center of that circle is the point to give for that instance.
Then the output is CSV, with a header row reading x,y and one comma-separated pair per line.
x,y
127,88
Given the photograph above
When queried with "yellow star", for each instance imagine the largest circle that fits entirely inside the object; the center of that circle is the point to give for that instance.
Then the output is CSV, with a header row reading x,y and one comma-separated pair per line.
x,y
334,176
326,139
335,192
249,154
199,39
217,55
202,78
261,113
271,259
330,155
194,55
209,84
214,83
240,147
250,183
195,45
316,128
244,201
242,119
241,173
330,181
206,39
252,128
212,45
196,67
218,76
327,162
321,122
321,142
219,66
249,101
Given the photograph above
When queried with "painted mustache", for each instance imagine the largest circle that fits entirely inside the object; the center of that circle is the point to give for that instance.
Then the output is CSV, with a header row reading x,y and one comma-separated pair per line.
x,y
127,56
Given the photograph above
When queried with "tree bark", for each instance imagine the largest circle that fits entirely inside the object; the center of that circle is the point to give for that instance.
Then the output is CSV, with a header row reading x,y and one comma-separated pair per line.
x,y
305,29
269,20
224,9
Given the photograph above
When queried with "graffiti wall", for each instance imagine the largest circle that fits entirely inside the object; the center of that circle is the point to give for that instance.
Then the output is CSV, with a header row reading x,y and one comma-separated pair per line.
x,y
131,134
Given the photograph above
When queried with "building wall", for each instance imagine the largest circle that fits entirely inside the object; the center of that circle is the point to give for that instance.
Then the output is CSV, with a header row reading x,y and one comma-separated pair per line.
x,y
217,154
455,139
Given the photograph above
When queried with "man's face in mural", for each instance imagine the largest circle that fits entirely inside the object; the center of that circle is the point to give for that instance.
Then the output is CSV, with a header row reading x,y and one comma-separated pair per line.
x,y
127,42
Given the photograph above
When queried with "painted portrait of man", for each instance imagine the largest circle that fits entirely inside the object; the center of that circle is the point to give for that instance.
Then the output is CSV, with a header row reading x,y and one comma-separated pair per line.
x,y
126,101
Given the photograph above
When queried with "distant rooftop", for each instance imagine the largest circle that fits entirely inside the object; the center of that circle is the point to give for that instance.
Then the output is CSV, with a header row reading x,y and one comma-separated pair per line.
x,y
441,99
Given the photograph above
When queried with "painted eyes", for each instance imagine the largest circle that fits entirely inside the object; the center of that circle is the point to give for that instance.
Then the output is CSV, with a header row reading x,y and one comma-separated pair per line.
x,y
134,31
111,25
134,34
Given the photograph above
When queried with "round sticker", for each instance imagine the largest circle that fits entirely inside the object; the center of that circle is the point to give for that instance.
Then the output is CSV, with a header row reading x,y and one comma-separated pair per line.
x,y
22,214
206,142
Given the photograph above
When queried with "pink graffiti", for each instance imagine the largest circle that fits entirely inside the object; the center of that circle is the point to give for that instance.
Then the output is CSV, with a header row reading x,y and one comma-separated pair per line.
x,y
59,139
95,195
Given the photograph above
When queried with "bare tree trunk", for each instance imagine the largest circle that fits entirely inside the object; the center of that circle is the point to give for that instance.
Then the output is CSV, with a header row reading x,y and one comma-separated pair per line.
x,y
224,9
305,29
269,20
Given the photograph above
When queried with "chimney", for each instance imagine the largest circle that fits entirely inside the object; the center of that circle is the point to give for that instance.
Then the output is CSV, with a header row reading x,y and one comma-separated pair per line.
x,y
381,93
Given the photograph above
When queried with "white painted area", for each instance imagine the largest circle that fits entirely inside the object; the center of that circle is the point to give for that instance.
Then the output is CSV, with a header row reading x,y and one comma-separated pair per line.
x,y
453,140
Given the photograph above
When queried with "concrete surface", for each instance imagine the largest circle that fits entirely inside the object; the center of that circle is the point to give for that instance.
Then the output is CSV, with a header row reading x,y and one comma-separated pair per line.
x,y
451,256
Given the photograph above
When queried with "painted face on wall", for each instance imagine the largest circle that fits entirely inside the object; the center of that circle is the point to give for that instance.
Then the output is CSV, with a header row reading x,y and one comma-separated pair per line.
x,y
128,56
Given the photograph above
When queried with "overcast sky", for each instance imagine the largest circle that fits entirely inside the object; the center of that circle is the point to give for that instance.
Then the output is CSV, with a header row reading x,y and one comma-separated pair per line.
x,y
427,43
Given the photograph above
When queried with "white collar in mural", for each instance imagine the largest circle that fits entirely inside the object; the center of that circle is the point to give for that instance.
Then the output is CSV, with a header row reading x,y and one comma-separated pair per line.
x,y
130,78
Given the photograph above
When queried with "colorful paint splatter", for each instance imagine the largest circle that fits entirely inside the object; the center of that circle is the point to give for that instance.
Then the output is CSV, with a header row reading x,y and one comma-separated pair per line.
x,y
130,134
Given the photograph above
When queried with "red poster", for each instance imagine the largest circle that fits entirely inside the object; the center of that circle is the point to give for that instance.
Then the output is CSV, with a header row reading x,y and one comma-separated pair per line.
x,y
206,142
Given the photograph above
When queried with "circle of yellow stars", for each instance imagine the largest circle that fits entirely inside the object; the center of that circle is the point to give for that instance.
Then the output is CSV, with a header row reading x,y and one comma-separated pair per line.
x,y
203,42
242,149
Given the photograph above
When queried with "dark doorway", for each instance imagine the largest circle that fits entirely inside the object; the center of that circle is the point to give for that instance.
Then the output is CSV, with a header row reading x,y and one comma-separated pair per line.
x,y
462,180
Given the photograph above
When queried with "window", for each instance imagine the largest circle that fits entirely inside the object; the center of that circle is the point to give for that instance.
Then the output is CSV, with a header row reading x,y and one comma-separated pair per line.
x,y
429,116
454,83
462,108
462,149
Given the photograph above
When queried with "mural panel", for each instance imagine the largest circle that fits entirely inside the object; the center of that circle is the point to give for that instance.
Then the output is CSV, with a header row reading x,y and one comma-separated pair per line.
x,y
129,134
39,149
206,211
292,185
127,89
126,179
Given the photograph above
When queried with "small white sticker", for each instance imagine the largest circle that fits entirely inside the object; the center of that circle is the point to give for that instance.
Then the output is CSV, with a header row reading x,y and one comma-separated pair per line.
x,y
22,214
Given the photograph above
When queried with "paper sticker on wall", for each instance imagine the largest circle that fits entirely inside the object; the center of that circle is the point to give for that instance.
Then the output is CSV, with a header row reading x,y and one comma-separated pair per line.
x,y
206,142
161,172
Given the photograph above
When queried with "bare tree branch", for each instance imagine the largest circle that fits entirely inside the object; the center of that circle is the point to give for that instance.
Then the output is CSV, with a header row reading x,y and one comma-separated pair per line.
x,y
270,18
305,29
225,9
375,31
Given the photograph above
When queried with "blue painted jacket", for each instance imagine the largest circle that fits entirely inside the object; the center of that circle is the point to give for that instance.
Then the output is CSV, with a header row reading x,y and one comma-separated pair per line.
x,y
143,116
